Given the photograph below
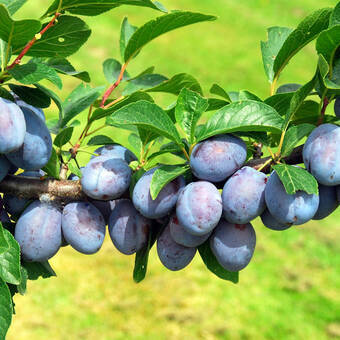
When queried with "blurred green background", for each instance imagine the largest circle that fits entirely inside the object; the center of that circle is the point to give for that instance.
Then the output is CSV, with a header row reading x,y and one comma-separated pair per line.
x,y
290,290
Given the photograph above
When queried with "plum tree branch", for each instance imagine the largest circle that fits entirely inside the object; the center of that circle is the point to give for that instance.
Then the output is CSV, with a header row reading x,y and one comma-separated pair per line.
x,y
26,187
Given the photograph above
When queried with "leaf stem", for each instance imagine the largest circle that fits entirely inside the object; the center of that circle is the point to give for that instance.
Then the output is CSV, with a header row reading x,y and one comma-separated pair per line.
x,y
185,153
322,108
273,86
95,130
114,102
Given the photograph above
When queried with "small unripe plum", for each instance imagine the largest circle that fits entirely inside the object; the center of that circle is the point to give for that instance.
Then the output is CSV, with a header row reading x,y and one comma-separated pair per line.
x,y
173,255
321,154
38,232
199,208
12,126
182,237
164,202
289,209
36,150
270,222
83,227
217,158
243,195
106,178
233,245
128,229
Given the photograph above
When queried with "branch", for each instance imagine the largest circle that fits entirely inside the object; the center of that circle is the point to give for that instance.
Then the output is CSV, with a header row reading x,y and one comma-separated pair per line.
x,y
26,187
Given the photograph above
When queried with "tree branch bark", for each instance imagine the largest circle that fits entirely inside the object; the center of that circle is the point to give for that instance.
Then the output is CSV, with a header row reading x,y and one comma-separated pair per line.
x,y
65,190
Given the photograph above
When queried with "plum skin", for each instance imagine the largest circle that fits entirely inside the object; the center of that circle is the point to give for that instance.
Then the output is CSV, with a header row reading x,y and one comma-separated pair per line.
x,y
173,255
36,150
217,158
182,237
128,229
105,178
199,208
328,202
83,227
321,154
164,202
233,245
12,126
5,166
271,223
38,232
116,151
289,209
243,195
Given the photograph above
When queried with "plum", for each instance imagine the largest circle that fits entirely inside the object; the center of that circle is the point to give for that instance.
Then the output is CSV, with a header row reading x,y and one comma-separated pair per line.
x,y
243,196
116,151
217,158
328,202
270,222
199,208
5,166
233,245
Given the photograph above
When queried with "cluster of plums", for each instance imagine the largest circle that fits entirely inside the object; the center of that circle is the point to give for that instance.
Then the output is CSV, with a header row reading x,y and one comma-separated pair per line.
x,y
190,213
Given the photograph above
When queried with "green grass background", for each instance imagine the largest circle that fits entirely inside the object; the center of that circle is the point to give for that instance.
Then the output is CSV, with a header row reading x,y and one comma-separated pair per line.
x,y
291,288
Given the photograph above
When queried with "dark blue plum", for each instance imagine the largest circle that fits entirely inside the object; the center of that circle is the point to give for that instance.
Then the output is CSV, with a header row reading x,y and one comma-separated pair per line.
x,y
128,229
270,222
73,177
105,207
116,151
106,178
337,107
12,126
5,166
243,195
36,151
321,154
233,245
83,227
165,201
173,255
15,205
338,193
289,209
199,208
39,112
38,231
218,158
182,237
328,202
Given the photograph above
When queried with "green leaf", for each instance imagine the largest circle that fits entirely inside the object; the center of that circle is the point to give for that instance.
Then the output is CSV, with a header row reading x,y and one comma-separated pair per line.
x,y
270,48
293,135
144,82
216,104
159,26
212,264
335,16
6,309
327,43
246,115
3,240
134,97
306,31
126,33
328,83
22,286
164,175
96,7
218,90
142,256
146,135
63,66
61,40
63,137
111,68
246,95
33,72
38,269
10,261
147,115
3,51
79,99
177,83
73,167
52,168
280,102
298,98
6,94
100,140
171,147
295,178
13,5
135,143
18,32
31,95
286,88
190,107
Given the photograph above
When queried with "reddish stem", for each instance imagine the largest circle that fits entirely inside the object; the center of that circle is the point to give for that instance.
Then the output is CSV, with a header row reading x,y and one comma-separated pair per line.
x,y
323,111
112,87
30,44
